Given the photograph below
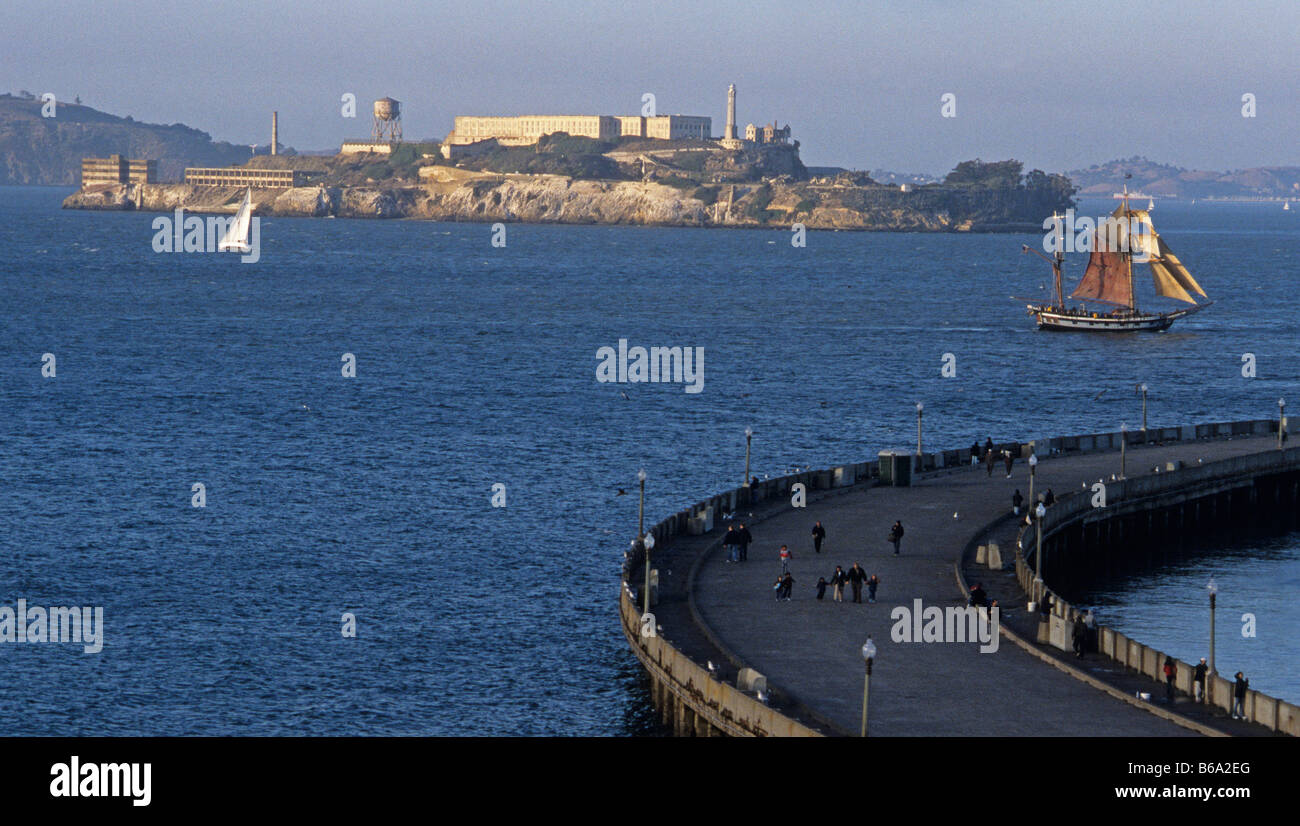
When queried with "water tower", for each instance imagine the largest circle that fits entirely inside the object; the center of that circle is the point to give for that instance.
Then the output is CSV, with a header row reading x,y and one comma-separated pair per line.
x,y
388,120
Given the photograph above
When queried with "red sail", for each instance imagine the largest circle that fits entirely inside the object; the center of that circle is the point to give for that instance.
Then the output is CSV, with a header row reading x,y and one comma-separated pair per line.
x,y
1107,277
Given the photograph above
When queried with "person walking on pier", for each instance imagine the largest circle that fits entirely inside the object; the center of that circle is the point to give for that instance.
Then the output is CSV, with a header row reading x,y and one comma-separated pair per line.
x,y
785,560
730,542
1006,454
1170,673
872,584
838,579
1079,634
1198,680
787,586
821,587
1016,501
743,540
989,459
896,535
975,453
778,587
818,534
1239,689
857,576
1049,498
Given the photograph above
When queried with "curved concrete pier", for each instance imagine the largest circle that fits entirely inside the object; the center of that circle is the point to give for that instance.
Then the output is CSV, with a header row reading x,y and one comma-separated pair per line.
x,y
808,651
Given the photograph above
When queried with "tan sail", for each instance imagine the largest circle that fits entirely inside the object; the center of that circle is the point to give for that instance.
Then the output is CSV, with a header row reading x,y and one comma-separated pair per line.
x,y
1172,280
1107,276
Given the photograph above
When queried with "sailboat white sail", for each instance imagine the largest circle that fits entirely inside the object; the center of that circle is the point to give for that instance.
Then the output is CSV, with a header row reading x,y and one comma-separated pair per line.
x,y
236,237
1151,204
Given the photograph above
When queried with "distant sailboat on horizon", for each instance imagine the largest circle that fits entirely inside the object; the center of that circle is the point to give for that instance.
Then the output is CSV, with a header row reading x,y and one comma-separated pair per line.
x,y
1286,206
236,237
1151,204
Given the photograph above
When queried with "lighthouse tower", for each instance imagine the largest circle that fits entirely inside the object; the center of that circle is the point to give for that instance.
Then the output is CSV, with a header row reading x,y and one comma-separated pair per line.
x,y
729,140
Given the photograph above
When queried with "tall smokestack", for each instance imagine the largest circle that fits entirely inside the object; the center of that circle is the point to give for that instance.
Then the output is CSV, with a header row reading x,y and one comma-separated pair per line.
x,y
730,134
275,131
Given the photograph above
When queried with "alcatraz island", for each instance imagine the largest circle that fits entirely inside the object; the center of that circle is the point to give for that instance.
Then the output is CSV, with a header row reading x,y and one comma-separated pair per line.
x,y
665,170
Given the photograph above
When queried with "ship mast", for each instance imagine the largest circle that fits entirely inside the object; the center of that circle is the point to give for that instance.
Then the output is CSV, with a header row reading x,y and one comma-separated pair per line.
x,y
1127,252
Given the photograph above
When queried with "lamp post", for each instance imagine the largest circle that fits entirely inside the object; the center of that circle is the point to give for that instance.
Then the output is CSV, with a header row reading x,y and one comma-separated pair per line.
x,y
1214,591
1123,448
868,654
640,532
1039,512
1033,466
1143,389
1281,422
749,435
919,407
648,542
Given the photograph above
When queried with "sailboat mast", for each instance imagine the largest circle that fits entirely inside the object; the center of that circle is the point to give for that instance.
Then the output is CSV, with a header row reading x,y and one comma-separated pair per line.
x,y
1128,254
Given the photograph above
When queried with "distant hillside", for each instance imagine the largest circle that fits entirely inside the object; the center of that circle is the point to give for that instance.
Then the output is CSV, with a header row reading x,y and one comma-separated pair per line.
x,y
48,151
1151,178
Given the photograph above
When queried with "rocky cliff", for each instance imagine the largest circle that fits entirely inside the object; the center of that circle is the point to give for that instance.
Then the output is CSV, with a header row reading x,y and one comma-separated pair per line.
x,y
455,195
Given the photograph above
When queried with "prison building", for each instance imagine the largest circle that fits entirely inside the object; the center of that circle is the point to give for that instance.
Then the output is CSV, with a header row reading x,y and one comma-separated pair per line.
x,y
667,127
524,130
243,176
364,145
118,170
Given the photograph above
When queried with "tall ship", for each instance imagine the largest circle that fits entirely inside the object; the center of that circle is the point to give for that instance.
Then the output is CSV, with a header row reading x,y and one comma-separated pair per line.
x,y
1108,302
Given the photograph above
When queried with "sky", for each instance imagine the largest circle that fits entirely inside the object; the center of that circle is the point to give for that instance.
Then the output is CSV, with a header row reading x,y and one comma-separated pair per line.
x,y
1057,85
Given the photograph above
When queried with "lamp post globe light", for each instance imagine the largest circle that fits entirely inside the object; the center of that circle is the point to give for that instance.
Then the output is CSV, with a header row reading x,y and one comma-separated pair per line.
x,y
648,543
1123,448
869,655
919,408
1039,513
1033,467
749,435
1143,388
1213,588
1281,422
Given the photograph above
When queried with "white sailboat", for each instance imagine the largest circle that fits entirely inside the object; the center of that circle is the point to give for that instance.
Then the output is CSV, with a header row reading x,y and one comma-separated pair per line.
x,y
1151,204
236,237
1286,205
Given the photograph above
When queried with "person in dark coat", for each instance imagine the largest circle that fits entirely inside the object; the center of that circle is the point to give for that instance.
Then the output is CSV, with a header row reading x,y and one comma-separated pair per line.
x,y
1198,680
1016,501
818,534
1049,498
730,541
896,535
787,586
1006,455
857,576
872,584
838,579
975,453
1170,672
1239,689
1079,634
821,587
743,541
978,598
989,459
988,445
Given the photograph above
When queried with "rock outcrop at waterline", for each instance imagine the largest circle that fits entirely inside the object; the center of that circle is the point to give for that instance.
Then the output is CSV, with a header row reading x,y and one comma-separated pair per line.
x,y
561,200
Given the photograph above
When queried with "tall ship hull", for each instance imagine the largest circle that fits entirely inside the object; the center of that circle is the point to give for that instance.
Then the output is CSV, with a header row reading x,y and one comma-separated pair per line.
x,y
1106,290
1054,318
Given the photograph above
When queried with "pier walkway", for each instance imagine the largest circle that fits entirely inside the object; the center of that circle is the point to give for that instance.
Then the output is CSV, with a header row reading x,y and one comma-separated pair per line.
x,y
810,650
